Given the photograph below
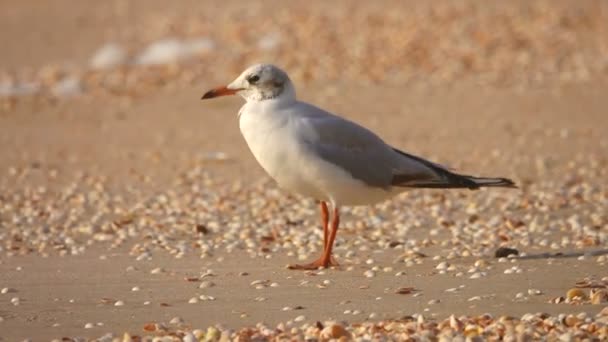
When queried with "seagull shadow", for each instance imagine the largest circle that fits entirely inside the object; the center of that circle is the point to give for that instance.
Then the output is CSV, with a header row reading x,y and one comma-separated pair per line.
x,y
562,255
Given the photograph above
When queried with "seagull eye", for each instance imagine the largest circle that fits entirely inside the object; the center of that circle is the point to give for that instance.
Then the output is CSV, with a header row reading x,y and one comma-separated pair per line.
x,y
252,79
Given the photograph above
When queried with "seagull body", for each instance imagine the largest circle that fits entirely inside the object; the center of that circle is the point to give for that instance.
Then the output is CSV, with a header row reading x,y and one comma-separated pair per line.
x,y
314,153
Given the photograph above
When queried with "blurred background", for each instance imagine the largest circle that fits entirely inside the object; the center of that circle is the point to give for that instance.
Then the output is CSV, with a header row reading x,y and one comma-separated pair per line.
x,y
388,42
481,80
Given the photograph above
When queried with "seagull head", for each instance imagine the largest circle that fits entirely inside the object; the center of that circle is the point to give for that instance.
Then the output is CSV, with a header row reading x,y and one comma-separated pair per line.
x,y
258,83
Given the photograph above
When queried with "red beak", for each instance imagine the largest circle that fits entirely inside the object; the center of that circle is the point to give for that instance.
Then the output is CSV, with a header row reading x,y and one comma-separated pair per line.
x,y
219,91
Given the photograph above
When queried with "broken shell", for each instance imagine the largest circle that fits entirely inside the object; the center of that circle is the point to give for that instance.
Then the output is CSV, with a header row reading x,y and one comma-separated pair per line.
x,y
599,296
571,321
405,290
334,331
574,293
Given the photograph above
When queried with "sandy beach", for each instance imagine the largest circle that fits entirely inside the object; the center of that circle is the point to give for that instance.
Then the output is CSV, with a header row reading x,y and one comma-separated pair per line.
x,y
131,210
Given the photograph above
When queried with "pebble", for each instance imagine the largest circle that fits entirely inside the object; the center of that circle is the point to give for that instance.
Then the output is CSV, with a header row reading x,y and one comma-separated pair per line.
x,y
119,303
109,56
477,275
504,252
206,284
176,320
157,270
334,331
442,266
70,86
6,290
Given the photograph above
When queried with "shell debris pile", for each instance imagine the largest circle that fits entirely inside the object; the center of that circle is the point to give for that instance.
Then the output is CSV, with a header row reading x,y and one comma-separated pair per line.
x,y
476,328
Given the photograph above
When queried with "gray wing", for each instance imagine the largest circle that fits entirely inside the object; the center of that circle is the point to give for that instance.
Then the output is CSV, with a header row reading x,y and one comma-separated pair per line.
x,y
356,150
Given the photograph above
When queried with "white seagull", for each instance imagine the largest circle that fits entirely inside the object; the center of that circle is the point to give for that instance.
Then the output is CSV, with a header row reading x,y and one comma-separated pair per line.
x,y
315,153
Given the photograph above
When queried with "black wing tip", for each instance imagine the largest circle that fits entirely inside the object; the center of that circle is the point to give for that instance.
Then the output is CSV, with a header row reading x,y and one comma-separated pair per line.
x,y
452,180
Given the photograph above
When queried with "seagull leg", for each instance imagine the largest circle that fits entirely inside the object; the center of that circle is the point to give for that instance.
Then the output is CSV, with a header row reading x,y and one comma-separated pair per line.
x,y
325,220
324,260
335,223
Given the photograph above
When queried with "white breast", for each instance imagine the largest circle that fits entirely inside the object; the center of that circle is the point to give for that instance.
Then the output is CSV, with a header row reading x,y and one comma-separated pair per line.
x,y
271,140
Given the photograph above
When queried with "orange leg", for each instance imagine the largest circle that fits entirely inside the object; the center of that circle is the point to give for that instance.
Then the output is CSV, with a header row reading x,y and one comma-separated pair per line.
x,y
325,220
325,260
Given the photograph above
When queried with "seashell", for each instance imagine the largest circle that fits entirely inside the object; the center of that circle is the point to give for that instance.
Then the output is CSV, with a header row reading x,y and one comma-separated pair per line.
x,y
575,293
334,331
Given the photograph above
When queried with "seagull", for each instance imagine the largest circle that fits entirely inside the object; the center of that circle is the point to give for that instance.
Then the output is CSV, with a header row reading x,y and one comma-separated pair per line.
x,y
314,153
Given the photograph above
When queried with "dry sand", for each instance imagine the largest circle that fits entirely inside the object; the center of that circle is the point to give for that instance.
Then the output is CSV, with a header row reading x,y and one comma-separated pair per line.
x,y
109,190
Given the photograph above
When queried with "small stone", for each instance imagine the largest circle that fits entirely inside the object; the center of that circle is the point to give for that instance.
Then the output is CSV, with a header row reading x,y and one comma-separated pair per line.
x,y
89,326
299,318
504,252
67,87
442,266
212,334
157,270
334,331
369,274
176,320
149,327
206,284
7,290
477,275
109,56
119,303
189,337
405,290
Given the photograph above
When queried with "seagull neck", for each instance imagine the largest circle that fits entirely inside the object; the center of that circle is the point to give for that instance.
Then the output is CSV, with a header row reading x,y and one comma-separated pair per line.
x,y
286,97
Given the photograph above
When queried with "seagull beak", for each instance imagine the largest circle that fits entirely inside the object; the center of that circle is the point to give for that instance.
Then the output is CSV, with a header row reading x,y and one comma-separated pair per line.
x,y
219,91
